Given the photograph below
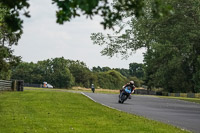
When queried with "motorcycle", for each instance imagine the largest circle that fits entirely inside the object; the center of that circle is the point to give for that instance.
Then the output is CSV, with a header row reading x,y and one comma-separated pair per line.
x,y
124,94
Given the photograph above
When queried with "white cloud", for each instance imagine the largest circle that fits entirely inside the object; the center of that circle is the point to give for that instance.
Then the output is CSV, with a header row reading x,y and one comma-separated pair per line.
x,y
43,38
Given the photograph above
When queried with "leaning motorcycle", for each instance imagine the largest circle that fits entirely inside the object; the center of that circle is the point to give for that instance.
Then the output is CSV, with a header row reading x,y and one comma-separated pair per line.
x,y
124,94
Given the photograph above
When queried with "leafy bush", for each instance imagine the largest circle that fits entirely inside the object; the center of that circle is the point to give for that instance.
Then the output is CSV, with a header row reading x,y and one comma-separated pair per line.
x,y
110,79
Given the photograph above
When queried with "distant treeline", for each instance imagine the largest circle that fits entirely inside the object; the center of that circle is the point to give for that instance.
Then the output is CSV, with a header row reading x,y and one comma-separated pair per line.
x,y
64,73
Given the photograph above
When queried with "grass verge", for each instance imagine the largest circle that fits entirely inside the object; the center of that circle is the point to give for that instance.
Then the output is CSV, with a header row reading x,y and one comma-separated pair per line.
x,y
78,89
57,112
195,100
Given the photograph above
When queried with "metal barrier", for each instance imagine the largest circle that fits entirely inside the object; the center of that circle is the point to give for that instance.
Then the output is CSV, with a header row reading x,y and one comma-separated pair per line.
x,y
189,95
14,85
32,85
144,92
5,85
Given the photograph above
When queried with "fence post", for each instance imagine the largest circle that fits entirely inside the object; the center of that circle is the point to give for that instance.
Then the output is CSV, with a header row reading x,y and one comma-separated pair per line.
x,y
20,85
14,85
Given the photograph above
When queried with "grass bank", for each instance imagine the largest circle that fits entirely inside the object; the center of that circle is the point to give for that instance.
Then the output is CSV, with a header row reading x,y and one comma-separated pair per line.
x,y
39,111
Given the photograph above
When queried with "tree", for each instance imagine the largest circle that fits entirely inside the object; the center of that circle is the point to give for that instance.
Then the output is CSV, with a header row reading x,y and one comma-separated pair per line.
x,y
67,9
96,69
7,62
171,60
110,79
111,13
124,72
81,73
12,17
7,39
54,71
61,75
137,70
165,70
177,57
27,72
100,69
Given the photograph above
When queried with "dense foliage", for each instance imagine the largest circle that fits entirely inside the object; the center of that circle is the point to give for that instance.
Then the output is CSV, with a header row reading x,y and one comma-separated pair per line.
x,y
173,48
54,71
12,16
172,45
7,39
68,9
63,73
111,78
7,62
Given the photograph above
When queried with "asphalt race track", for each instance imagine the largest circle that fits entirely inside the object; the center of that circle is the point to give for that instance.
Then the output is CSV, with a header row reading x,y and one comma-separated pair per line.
x,y
185,115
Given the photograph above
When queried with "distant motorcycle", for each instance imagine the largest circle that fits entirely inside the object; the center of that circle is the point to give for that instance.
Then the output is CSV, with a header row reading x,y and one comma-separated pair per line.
x,y
124,94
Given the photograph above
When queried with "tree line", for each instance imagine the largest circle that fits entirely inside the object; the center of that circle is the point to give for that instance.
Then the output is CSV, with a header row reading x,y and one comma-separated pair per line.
x,y
64,73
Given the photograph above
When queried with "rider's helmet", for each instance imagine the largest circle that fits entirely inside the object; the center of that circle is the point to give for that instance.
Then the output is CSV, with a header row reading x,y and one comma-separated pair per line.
x,y
131,82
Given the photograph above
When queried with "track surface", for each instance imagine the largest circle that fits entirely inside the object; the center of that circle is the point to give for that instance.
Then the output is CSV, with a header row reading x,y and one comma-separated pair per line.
x,y
179,113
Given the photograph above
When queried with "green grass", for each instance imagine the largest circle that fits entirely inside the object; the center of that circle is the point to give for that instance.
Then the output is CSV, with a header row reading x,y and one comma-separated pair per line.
x,y
195,100
63,112
76,89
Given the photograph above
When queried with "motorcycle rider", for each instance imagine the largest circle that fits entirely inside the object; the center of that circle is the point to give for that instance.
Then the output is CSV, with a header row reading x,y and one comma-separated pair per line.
x,y
131,86
92,88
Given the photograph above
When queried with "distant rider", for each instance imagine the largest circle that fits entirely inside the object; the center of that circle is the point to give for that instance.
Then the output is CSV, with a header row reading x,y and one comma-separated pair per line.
x,y
92,87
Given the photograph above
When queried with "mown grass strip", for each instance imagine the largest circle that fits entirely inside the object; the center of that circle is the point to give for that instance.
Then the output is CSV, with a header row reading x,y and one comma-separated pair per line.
x,y
195,100
62,112
77,89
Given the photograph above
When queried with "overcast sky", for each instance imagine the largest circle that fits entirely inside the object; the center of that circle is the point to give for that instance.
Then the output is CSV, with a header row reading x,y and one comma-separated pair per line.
x,y
44,39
